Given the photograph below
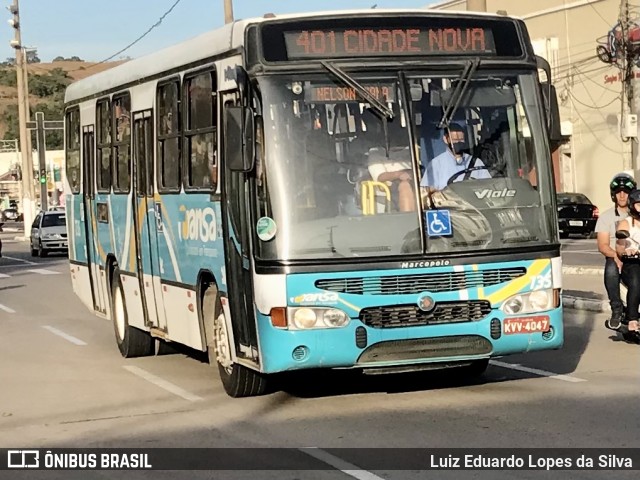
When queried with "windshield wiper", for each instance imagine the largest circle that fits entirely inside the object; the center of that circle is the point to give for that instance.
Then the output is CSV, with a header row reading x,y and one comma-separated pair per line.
x,y
458,92
378,106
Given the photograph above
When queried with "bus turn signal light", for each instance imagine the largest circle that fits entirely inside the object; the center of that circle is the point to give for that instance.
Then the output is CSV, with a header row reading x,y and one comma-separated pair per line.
x,y
279,317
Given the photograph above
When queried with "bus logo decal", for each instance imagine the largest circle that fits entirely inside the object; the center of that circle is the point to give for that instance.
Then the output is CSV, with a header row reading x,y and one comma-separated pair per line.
x,y
198,224
316,298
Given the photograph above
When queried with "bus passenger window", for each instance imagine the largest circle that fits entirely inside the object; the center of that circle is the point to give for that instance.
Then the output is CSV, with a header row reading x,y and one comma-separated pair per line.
x,y
122,143
200,132
73,149
103,122
168,141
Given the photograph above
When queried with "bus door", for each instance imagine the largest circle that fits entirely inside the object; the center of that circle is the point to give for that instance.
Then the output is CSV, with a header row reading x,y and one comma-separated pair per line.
x,y
90,220
147,221
237,230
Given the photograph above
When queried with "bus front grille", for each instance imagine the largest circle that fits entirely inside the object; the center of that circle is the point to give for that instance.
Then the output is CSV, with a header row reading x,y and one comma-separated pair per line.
x,y
425,348
425,282
411,316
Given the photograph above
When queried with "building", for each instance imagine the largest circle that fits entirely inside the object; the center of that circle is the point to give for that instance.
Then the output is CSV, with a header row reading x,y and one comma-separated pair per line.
x,y
567,33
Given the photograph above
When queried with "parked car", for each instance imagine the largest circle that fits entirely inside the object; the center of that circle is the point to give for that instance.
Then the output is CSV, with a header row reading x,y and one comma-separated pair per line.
x,y
12,214
49,233
576,215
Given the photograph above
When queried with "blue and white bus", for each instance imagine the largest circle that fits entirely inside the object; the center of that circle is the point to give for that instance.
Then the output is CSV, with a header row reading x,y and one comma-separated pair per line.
x,y
239,194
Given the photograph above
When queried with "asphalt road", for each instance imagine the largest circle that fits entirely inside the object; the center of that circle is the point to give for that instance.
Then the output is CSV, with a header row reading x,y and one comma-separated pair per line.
x,y
63,383
581,252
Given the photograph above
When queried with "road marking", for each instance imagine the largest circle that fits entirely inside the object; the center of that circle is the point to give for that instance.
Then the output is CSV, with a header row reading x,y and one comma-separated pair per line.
x,y
542,373
20,260
4,275
60,333
340,464
162,383
7,309
43,271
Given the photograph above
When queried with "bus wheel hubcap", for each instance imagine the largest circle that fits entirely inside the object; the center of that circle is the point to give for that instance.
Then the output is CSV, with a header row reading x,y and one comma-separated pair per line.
x,y
119,314
223,355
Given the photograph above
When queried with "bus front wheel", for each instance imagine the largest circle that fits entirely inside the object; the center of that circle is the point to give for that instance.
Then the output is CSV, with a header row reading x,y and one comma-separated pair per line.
x,y
131,341
237,380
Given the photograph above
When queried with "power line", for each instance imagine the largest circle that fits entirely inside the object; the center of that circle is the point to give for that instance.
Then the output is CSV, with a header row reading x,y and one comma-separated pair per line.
x,y
586,124
599,14
155,25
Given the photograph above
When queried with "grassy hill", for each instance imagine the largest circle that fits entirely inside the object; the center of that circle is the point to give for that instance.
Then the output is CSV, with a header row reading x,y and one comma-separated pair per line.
x,y
47,82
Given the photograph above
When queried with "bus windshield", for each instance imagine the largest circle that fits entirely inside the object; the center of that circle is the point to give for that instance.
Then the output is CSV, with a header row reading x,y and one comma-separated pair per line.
x,y
340,179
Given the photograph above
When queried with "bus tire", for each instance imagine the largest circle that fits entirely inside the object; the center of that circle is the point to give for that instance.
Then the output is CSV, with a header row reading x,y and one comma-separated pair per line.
x,y
476,368
237,380
131,341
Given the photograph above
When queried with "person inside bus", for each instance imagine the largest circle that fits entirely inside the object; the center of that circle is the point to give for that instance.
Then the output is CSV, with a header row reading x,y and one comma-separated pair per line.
x,y
393,165
628,249
453,160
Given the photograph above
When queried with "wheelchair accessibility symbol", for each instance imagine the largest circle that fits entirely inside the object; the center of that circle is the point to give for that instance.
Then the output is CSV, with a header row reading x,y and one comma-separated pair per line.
x,y
438,223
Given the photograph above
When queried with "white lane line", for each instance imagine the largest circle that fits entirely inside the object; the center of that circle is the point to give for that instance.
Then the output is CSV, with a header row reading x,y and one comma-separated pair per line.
x,y
340,464
162,383
4,275
20,260
60,333
43,271
7,309
535,371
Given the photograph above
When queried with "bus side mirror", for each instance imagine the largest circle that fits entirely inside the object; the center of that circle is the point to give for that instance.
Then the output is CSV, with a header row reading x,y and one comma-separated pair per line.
x,y
552,112
239,138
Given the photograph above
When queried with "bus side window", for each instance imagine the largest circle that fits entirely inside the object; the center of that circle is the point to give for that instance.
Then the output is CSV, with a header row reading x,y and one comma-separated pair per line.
x,y
73,149
103,123
168,141
200,131
121,108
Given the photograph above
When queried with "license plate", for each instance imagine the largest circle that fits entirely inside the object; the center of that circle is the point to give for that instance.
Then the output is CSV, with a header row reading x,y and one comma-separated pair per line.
x,y
575,223
538,323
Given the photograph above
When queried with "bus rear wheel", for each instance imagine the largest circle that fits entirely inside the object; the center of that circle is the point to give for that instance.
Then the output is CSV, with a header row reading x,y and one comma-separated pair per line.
x,y
131,341
237,380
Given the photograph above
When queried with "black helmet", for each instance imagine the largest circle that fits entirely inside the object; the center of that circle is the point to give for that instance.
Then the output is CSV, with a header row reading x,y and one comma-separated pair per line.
x,y
622,182
634,197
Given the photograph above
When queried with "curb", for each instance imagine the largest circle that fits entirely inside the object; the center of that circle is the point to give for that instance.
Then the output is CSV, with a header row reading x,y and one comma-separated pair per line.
x,y
586,304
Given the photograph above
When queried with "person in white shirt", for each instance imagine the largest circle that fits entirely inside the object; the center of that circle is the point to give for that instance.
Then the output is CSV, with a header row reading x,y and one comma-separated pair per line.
x,y
631,266
394,169
620,187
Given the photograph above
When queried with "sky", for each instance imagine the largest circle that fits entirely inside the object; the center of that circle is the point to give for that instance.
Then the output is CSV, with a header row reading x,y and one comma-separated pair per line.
x,y
96,29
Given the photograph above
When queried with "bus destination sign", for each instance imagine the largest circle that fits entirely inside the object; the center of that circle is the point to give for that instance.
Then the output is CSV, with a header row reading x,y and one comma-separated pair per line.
x,y
377,42
326,93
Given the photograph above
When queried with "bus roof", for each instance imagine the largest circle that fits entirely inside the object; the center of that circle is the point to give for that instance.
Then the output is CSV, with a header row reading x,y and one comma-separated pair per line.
x,y
212,43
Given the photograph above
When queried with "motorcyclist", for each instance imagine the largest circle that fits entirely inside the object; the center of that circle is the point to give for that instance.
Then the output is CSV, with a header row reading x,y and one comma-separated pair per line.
x,y
629,250
620,187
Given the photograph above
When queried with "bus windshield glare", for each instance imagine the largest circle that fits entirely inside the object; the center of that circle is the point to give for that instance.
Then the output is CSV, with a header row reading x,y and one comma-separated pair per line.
x,y
342,181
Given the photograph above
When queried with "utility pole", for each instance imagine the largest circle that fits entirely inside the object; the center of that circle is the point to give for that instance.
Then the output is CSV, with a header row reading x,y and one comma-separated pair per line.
x,y
28,193
627,73
228,11
40,126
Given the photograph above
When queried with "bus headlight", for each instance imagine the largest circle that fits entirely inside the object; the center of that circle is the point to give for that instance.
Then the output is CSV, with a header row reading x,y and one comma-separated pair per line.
x,y
305,318
335,318
532,302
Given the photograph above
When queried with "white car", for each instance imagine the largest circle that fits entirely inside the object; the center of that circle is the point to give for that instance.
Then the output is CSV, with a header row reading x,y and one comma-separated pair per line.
x,y
49,233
